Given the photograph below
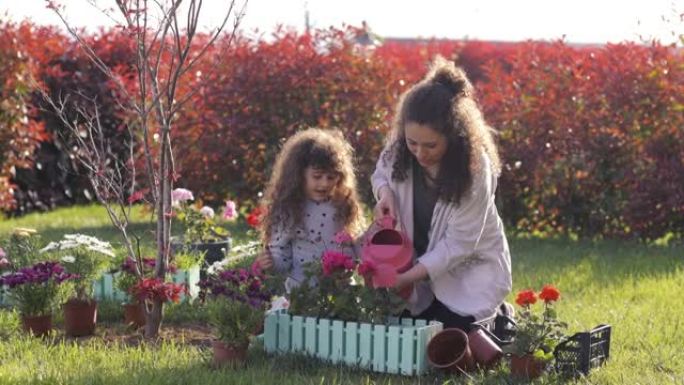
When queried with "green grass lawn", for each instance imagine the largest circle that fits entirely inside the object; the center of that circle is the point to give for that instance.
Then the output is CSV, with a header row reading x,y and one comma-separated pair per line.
x,y
634,287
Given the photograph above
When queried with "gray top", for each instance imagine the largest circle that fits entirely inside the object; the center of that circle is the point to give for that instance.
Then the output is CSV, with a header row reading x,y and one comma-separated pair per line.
x,y
293,246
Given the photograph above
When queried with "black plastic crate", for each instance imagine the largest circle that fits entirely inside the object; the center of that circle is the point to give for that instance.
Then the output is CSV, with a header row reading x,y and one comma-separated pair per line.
x,y
583,351
499,327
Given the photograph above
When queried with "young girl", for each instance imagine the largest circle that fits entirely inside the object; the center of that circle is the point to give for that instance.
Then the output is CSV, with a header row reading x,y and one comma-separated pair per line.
x,y
310,197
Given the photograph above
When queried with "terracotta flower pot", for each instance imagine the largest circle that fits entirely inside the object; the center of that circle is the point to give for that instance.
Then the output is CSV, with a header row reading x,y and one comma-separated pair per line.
x,y
228,355
259,328
134,314
448,350
80,318
39,326
526,366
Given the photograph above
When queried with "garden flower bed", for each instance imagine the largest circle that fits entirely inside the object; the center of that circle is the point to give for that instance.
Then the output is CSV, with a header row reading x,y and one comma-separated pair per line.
x,y
398,347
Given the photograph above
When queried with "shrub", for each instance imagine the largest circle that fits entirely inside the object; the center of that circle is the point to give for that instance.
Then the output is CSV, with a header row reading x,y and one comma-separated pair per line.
x,y
582,133
62,68
19,136
250,104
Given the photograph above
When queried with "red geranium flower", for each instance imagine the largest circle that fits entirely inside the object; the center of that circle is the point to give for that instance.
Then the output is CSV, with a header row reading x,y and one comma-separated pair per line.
x,y
526,298
254,217
549,294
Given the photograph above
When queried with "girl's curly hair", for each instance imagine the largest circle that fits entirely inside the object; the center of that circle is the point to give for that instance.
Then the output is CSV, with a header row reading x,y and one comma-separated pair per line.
x,y
285,193
445,101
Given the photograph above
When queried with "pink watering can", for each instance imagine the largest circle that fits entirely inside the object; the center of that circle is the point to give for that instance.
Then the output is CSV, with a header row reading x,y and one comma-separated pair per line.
x,y
390,251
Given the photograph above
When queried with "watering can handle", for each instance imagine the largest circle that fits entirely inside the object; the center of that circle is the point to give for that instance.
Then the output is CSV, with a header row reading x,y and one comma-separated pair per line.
x,y
387,222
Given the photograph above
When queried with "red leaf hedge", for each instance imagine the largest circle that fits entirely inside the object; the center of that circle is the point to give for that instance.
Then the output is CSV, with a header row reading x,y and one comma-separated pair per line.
x,y
592,137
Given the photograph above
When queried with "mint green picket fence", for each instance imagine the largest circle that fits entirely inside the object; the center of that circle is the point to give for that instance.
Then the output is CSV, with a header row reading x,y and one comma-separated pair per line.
x,y
400,347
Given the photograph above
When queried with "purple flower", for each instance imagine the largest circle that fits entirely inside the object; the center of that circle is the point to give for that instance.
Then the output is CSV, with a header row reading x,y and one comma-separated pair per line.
x,y
40,273
239,285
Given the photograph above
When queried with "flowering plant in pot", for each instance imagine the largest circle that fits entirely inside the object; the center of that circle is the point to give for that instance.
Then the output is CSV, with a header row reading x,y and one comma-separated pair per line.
x,y
236,300
203,230
536,334
36,291
86,258
134,312
150,290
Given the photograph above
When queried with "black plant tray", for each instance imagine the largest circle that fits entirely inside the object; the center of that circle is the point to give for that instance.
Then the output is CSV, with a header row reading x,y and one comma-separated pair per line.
x,y
583,351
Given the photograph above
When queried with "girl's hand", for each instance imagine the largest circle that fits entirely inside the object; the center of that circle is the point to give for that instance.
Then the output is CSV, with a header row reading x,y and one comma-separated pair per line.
x,y
265,260
386,204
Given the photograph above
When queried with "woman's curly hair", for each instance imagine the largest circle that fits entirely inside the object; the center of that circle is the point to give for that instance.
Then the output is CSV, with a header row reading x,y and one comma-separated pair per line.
x,y
285,193
445,101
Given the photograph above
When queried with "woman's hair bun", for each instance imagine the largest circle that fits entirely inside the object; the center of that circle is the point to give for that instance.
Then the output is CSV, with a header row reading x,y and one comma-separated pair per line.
x,y
445,73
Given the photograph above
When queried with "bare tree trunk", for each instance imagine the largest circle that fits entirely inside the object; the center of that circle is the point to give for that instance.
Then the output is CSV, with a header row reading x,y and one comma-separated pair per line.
x,y
155,313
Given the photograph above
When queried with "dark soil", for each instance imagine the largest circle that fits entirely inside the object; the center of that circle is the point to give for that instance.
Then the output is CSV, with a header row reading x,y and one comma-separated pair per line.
x,y
189,334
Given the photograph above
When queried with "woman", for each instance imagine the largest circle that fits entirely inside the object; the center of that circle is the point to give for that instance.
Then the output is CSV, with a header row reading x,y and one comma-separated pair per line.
x,y
437,175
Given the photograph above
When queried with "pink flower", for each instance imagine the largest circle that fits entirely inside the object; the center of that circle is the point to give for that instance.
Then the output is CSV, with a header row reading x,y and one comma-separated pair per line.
x,y
366,268
256,269
230,211
181,195
4,262
334,260
343,237
2,253
207,212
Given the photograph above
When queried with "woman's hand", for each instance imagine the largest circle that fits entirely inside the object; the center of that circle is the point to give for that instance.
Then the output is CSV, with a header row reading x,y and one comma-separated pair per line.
x,y
265,260
417,273
386,204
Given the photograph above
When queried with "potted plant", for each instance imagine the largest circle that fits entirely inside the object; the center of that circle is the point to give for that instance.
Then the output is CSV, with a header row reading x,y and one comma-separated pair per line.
x,y
36,291
126,279
236,300
148,290
133,311
203,231
536,334
86,258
